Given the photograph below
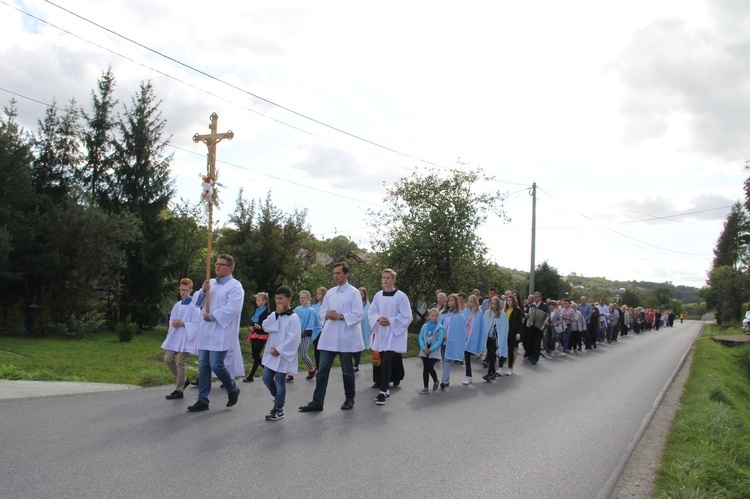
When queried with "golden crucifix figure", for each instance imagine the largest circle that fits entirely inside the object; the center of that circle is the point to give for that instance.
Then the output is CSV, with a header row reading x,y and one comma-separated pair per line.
x,y
211,139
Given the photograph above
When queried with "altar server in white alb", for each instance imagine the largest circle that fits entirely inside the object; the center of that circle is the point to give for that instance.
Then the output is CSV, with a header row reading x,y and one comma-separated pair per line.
x,y
180,341
341,313
389,316
218,330
280,357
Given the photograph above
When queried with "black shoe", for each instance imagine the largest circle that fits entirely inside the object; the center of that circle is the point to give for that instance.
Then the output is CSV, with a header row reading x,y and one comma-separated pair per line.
x,y
396,383
233,397
355,369
376,385
198,406
311,407
175,395
275,415
249,379
187,383
194,382
487,377
348,404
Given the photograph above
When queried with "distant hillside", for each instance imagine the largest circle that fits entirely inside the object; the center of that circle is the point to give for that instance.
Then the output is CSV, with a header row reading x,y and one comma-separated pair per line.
x,y
601,287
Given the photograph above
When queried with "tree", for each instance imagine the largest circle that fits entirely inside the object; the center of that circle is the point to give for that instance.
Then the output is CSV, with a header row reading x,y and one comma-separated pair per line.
x,y
731,247
660,297
57,152
727,288
141,185
265,244
428,233
18,212
188,226
99,141
548,281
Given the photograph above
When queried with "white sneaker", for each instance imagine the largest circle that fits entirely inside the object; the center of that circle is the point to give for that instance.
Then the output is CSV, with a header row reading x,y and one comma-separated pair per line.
x,y
467,380
509,372
503,371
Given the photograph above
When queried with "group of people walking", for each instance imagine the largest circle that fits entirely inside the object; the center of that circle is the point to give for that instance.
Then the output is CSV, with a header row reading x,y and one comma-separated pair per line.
x,y
341,322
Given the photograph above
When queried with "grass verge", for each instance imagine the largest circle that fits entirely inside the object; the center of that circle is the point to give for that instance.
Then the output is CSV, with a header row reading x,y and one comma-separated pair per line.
x,y
707,453
102,358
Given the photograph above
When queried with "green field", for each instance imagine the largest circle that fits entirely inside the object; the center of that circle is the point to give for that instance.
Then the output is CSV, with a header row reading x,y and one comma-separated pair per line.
x,y
102,358
708,449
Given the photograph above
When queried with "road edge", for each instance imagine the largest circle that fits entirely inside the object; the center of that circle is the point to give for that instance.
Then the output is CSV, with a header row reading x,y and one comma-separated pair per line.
x,y
638,467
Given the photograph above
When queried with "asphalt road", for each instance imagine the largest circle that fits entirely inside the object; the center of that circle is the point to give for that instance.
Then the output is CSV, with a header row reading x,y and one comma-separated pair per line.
x,y
557,429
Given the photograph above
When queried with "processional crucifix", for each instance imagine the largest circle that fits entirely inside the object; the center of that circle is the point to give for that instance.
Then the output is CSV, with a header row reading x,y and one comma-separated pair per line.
x,y
209,182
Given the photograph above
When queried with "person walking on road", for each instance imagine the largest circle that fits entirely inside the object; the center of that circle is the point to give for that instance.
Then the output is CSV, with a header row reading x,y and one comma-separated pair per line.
x,y
218,330
341,312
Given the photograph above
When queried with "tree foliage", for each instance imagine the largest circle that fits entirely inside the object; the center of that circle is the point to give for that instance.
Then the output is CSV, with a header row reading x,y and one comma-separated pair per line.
x,y
547,281
265,244
140,184
731,247
725,292
428,232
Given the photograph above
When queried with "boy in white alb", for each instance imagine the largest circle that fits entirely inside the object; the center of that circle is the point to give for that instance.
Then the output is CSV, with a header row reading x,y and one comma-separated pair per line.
x,y
280,357
180,342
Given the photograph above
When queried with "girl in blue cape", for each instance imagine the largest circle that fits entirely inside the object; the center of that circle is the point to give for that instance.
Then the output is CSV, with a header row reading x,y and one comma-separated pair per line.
x,y
496,332
430,340
476,337
454,338
365,327
311,326
317,302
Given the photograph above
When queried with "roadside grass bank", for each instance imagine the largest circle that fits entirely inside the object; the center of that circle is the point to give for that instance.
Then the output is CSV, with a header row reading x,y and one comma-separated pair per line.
x,y
707,453
103,358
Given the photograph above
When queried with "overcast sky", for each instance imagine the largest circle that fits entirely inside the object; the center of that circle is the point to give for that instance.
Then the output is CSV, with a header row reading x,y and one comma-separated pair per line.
x,y
631,117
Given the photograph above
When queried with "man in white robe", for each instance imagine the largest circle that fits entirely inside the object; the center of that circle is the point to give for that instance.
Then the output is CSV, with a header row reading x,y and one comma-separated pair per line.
x,y
341,314
389,317
218,331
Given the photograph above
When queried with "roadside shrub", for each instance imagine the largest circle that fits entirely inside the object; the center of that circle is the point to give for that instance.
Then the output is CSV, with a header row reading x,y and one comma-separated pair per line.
x,y
126,330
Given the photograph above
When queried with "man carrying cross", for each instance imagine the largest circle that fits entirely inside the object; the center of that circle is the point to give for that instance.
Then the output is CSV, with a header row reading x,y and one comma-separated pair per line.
x,y
218,330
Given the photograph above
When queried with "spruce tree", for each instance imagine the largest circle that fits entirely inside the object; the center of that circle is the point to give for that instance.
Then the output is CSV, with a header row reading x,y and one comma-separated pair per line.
x,y
99,142
141,184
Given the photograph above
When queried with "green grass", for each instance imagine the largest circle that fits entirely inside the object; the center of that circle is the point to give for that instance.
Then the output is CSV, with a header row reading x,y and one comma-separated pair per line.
x,y
711,330
708,448
102,358
99,358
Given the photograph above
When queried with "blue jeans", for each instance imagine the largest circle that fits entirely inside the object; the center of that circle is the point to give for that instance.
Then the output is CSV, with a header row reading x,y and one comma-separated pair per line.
x,y
446,375
276,384
566,336
324,368
209,360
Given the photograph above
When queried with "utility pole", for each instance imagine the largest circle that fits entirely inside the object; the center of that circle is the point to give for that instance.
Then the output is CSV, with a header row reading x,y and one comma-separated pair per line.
x,y
532,272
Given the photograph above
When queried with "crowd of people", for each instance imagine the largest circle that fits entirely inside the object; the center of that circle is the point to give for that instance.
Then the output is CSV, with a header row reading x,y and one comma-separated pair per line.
x,y
342,322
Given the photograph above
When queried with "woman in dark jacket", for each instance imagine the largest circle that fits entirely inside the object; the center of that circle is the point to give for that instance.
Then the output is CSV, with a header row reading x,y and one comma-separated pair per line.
x,y
515,329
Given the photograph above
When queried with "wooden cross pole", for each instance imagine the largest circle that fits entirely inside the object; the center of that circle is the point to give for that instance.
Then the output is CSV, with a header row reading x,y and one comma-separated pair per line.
x,y
211,139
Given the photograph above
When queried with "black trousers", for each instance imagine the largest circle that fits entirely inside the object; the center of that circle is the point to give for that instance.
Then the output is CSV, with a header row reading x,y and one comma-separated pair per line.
x,y
396,370
491,355
256,348
428,370
536,336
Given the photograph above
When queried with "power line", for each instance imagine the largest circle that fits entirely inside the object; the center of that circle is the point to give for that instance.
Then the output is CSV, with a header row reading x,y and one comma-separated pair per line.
x,y
688,255
280,179
240,89
214,78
